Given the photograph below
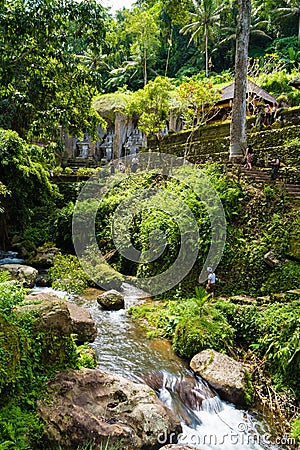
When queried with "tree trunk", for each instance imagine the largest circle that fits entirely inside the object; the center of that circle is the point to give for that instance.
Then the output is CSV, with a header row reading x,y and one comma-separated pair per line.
x,y
145,67
206,52
238,135
4,239
169,51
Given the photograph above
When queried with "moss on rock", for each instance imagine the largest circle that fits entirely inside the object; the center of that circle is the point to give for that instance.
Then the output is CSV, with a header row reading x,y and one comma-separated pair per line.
x,y
10,352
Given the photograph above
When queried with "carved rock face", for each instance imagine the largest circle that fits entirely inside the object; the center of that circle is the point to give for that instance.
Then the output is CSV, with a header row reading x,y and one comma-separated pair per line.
x,y
91,405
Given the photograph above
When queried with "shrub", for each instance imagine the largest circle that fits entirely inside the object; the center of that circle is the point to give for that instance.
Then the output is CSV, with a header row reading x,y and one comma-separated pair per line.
x,y
57,170
85,171
68,170
243,319
296,430
278,343
86,357
11,294
191,324
67,274
209,329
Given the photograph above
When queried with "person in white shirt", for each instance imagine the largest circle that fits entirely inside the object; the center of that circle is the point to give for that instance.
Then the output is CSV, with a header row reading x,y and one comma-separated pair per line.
x,y
211,282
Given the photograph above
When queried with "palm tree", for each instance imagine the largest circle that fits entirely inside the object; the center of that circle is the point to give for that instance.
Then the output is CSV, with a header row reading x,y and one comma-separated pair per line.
x,y
256,28
206,15
292,9
238,135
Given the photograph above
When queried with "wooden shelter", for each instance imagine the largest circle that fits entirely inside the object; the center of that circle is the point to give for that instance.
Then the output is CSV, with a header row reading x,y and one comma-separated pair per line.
x,y
255,96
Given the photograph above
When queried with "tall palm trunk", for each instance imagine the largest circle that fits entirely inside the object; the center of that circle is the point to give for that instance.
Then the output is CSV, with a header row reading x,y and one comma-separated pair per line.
x,y
169,51
206,51
238,132
145,66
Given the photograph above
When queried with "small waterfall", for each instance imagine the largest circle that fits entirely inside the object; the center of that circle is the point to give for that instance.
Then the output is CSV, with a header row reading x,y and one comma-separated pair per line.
x,y
208,423
10,257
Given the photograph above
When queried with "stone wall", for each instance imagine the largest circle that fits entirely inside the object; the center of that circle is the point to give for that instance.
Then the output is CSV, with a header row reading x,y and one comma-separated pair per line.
x,y
211,142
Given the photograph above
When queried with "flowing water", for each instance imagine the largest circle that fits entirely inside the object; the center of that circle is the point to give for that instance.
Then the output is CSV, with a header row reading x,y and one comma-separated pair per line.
x,y
208,423
10,257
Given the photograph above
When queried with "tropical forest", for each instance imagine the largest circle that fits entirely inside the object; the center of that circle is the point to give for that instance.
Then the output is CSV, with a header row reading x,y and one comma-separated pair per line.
x,y
150,225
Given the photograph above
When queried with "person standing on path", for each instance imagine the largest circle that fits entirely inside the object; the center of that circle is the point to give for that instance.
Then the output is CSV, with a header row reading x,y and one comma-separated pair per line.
x,y
211,282
275,168
249,157
112,167
134,164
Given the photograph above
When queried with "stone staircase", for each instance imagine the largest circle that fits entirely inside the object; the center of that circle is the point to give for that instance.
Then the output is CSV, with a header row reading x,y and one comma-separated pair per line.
x,y
262,177
77,163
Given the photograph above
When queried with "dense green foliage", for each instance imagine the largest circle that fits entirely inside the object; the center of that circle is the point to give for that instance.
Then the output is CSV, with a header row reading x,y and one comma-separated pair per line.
x,y
24,172
66,274
56,56
192,324
257,222
272,333
28,356
44,80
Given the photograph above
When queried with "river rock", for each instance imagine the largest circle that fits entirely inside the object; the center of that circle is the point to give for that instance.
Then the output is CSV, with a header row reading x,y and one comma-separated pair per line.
x,y
64,317
112,300
190,391
91,405
83,325
43,280
25,274
227,376
44,256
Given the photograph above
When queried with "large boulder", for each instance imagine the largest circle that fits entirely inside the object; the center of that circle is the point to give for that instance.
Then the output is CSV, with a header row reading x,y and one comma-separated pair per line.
x,y
44,256
229,377
111,300
91,405
83,325
53,313
24,274
64,317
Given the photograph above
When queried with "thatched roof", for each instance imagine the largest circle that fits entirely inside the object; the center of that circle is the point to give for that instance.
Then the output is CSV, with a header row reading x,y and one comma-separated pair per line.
x,y
252,89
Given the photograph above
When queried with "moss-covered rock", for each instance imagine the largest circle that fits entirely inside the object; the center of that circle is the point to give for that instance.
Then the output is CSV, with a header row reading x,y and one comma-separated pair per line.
x,y
209,329
10,353
294,244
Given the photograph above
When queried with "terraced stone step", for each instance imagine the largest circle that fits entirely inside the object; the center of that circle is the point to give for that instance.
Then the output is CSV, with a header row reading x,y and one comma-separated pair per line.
x,y
262,176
